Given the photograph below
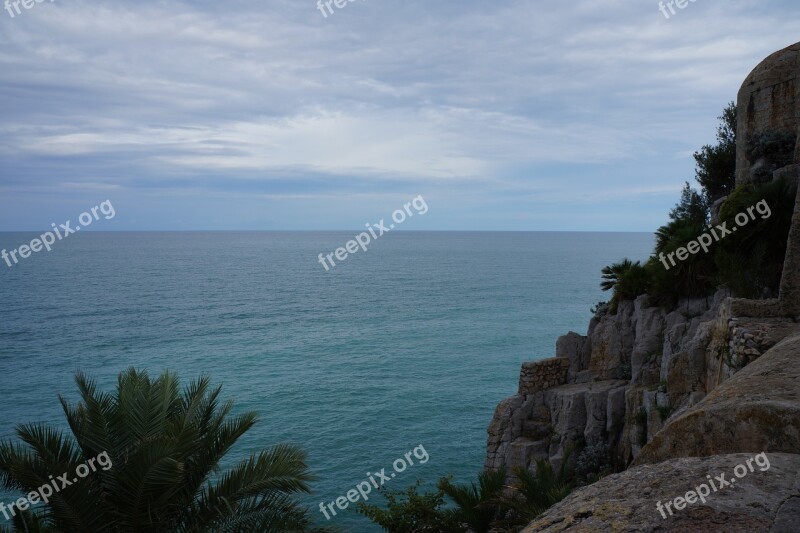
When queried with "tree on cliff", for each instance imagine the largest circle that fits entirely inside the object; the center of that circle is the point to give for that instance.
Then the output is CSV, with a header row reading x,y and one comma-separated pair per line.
x,y
716,165
751,264
627,279
163,449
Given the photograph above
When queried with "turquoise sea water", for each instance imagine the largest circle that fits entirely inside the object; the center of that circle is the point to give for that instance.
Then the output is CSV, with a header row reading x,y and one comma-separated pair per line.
x,y
412,343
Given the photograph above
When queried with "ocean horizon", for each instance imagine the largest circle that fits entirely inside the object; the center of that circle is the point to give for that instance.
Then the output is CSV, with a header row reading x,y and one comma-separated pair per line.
x,y
411,343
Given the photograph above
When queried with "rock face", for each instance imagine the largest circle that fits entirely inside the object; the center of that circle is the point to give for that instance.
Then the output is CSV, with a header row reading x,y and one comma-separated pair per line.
x,y
768,100
765,499
640,360
757,409
790,281
678,394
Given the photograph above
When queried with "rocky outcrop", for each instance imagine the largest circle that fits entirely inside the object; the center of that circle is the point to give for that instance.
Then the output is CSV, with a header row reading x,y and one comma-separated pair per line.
x,y
758,409
768,100
613,386
790,281
678,395
620,384
765,499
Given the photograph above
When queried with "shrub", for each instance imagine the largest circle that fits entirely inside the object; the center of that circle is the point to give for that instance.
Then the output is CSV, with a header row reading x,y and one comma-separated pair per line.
x,y
751,262
478,507
768,151
600,310
694,277
409,511
593,462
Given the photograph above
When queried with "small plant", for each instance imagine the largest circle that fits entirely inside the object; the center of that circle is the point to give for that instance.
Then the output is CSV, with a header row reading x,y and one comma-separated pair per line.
x,y
768,151
664,411
753,261
600,310
593,462
623,371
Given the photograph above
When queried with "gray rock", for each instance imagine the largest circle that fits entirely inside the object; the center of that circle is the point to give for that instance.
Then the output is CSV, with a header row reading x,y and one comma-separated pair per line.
x,y
758,409
761,501
571,346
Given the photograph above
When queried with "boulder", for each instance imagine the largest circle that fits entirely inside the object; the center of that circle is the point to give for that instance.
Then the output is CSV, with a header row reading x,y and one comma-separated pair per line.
x,y
765,500
758,409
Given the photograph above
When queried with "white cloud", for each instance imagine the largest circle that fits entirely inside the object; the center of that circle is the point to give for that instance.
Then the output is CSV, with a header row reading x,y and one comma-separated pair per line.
x,y
471,92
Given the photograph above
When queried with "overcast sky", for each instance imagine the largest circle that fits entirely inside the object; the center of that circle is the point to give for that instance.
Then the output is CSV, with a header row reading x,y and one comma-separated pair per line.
x,y
265,115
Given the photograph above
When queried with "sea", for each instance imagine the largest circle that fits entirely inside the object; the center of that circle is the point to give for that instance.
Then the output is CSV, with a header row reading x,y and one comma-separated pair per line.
x,y
411,343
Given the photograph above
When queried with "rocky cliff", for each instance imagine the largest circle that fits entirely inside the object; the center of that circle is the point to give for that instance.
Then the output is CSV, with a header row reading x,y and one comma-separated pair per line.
x,y
703,382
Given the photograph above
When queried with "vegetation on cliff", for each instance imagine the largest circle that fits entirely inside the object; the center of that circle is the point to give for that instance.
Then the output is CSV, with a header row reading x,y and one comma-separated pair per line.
x,y
487,505
751,262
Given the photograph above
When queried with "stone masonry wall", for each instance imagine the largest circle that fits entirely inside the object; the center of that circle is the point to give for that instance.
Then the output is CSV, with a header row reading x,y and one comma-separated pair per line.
x,y
769,99
537,376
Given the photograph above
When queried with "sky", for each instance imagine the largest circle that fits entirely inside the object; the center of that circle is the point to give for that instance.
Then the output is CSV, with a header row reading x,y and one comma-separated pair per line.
x,y
268,115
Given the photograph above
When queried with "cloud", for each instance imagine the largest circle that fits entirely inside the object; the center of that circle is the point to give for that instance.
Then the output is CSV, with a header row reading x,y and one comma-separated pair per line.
x,y
270,98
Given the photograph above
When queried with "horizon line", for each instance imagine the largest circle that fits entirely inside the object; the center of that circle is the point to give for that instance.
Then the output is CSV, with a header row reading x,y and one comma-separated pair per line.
x,y
325,231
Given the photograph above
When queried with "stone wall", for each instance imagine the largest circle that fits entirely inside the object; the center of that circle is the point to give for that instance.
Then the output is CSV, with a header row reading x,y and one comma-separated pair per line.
x,y
769,99
537,376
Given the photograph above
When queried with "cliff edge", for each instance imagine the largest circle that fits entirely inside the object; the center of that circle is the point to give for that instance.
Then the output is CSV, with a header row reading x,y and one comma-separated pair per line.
x,y
674,395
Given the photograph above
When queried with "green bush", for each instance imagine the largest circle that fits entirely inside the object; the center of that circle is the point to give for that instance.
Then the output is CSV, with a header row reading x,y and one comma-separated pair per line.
x,y
600,310
768,151
693,277
594,462
750,261
409,511
477,507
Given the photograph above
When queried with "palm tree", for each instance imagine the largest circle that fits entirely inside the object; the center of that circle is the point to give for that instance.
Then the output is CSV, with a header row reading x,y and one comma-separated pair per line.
x,y
541,490
164,447
477,506
613,274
